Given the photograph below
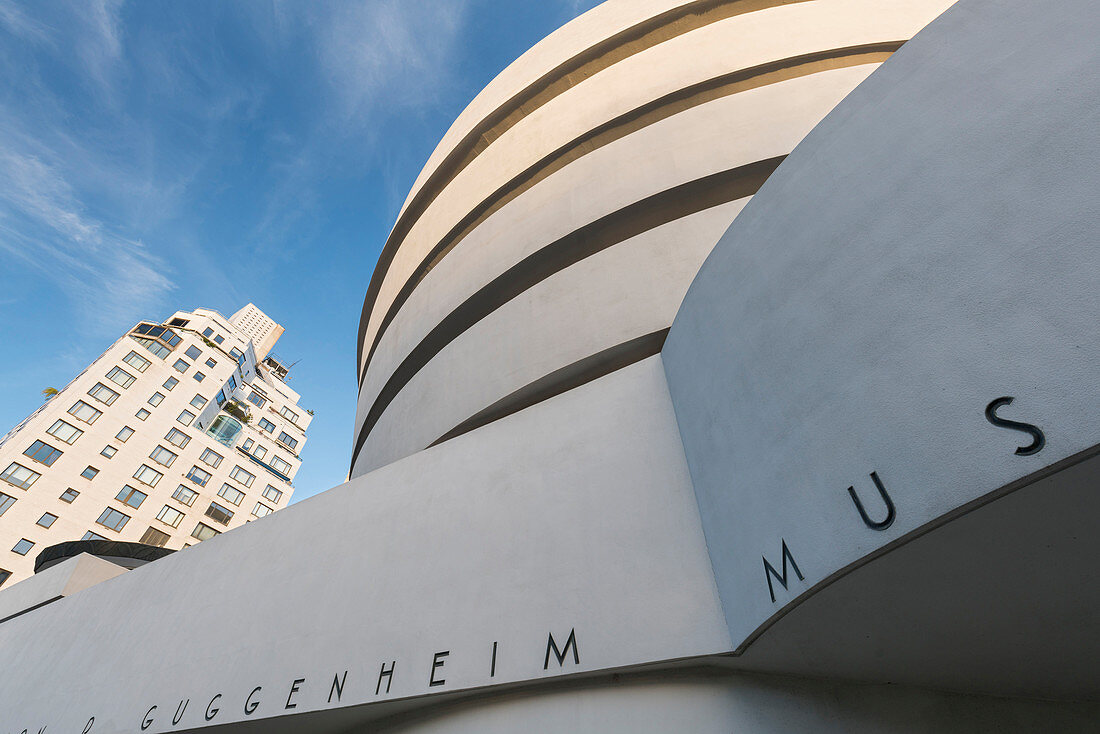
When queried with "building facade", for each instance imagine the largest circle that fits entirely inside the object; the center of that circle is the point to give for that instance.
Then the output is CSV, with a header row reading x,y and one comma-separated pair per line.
x,y
176,433
731,368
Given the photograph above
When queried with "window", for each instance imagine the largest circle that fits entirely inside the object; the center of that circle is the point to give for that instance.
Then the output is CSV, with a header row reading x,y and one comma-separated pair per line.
x,y
4,576
142,414
199,376
198,476
69,495
89,472
156,399
212,458
256,399
261,510
267,425
231,494
178,322
289,414
42,452
130,496
180,366
6,501
208,332
273,494
120,377
23,547
204,532
236,354
84,412
103,394
147,475
193,352
248,444
136,361
218,513
92,536
219,339
64,432
170,383
280,465
286,440
177,438
124,434
186,417
232,384
198,401
220,397
113,519
211,363
170,516
242,476
260,452
46,520
109,451
152,536
162,456
20,476
185,495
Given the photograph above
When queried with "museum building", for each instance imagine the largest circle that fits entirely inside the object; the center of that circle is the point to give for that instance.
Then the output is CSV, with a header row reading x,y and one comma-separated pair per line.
x,y
730,367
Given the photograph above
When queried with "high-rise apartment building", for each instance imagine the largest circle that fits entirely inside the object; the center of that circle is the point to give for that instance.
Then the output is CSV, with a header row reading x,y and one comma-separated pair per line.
x,y
176,433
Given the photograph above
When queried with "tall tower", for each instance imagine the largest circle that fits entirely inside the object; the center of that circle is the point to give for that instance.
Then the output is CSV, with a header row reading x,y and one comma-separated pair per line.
x,y
176,433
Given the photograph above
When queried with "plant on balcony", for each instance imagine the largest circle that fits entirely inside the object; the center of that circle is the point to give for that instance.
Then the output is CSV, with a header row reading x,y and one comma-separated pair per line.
x,y
238,411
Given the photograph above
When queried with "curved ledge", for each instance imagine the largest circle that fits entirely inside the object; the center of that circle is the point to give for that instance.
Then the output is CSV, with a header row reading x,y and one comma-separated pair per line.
x,y
109,549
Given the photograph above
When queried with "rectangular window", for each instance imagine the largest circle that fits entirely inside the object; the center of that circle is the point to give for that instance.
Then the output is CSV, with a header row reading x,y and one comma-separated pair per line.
x,y
64,432
199,376
46,520
124,434
236,354
218,513
232,384
261,510
4,576
162,456
273,494
42,452
180,366
153,346
23,547
89,472
20,476
69,495
103,394
186,417
286,439
204,532
198,401
156,399
193,352
177,438
208,332
257,399
152,536
142,414
280,465
267,425
221,398
179,322
6,501
136,361
289,414
242,476
231,494
84,412
130,496
92,536
211,458
260,452
211,363
108,451
198,476
147,475
170,516
248,444
113,519
185,495
219,339
120,377
170,383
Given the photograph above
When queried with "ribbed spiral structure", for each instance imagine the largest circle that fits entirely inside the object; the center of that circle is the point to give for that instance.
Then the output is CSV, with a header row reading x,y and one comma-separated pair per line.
x,y
554,231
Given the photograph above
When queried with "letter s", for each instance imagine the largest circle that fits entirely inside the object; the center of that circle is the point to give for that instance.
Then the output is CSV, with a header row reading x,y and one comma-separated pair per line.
x,y
1038,440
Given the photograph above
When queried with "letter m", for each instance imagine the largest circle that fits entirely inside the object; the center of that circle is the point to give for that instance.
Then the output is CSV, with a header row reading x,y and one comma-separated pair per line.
x,y
770,571
560,654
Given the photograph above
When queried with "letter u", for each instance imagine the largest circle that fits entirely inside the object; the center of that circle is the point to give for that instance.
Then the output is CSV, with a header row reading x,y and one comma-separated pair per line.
x,y
891,513
179,711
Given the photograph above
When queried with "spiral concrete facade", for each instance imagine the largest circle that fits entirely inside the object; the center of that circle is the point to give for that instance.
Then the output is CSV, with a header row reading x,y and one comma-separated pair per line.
x,y
554,231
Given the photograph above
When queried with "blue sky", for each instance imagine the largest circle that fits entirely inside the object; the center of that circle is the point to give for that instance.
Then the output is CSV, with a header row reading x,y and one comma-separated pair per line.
x,y
159,155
